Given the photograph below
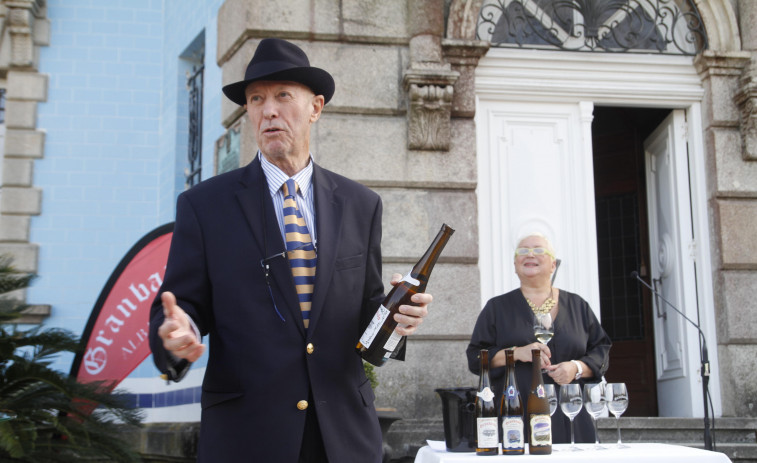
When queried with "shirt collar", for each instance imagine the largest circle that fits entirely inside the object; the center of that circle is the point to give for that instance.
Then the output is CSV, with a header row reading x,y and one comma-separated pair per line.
x,y
276,177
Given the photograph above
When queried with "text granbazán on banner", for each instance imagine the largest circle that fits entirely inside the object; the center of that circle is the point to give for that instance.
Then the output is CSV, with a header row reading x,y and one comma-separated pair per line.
x,y
115,340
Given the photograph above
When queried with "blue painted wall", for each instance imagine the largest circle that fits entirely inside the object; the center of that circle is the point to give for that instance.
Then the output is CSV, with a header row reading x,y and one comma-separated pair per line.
x,y
115,152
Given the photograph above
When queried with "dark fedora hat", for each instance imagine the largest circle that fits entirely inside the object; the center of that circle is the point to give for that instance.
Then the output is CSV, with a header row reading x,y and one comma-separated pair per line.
x,y
277,59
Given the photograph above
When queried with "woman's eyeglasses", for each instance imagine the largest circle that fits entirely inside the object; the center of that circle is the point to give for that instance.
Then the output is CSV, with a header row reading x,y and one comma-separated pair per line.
x,y
533,251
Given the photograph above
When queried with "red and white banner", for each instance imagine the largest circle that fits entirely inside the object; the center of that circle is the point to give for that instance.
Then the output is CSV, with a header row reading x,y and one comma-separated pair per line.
x,y
115,339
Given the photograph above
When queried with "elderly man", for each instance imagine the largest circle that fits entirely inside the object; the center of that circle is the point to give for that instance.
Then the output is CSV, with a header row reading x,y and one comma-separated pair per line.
x,y
279,263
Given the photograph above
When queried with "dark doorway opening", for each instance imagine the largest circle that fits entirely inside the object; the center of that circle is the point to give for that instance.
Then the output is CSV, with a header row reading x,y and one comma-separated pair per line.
x,y
620,192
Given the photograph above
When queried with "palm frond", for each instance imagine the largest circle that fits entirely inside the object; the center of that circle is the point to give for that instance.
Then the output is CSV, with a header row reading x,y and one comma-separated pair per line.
x,y
57,418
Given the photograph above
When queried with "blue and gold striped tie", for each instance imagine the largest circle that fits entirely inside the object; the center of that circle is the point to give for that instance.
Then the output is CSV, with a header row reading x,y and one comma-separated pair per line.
x,y
300,249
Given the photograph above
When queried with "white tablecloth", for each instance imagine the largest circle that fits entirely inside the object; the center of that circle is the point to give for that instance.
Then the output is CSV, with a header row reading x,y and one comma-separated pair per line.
x,y
646,453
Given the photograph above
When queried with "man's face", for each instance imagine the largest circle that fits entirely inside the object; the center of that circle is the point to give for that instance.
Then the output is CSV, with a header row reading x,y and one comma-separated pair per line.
x,y
281,113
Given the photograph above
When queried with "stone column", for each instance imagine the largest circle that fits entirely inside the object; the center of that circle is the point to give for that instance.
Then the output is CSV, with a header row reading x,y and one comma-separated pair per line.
x,y
732,193
27,29
428,81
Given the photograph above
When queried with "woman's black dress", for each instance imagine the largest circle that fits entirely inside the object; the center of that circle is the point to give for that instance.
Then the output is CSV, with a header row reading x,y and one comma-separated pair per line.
x,y
507,321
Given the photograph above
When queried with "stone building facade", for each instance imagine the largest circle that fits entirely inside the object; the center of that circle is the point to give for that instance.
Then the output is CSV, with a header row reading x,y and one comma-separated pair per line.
x,y
406,121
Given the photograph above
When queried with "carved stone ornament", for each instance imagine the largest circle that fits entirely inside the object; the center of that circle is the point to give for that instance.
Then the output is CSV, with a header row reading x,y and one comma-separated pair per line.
x,y
430,92
746,100
21,16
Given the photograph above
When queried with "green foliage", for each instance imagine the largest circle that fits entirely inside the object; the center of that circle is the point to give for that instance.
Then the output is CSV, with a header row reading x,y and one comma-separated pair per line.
x,y
370,374
56,418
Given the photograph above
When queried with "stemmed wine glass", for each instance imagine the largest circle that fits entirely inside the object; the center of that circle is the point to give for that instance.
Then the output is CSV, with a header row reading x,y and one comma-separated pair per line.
x,y
570,403
543,327
617,402
595,404
549,389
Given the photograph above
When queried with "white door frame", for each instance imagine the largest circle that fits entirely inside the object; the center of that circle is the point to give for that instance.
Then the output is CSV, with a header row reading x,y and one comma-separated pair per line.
x,y
509,75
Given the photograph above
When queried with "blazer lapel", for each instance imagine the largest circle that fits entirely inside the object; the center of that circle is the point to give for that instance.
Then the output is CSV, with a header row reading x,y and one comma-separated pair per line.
x,y
328,213
257,207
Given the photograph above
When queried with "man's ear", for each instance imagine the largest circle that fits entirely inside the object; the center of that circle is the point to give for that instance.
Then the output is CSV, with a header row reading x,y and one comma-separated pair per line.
x,y
318,103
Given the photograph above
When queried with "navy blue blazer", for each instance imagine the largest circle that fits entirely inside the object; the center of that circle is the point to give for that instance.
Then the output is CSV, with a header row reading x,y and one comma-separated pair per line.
x,y
259,367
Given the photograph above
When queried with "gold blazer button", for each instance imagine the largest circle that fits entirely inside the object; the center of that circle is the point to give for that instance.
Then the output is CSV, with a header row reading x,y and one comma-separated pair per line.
x,y
310,348
302,405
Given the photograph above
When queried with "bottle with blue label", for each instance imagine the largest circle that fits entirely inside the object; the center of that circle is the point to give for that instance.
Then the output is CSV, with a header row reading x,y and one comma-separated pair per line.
x,y
511,411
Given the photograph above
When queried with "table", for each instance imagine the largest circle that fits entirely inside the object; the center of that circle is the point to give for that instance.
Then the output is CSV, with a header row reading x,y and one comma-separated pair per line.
x,y
647,453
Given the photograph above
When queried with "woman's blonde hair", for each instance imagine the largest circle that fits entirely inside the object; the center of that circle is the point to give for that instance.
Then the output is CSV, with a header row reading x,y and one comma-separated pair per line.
x,y
550,248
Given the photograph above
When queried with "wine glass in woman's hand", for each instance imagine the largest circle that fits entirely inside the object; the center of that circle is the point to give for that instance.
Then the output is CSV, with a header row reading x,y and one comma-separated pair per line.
x,y
544,329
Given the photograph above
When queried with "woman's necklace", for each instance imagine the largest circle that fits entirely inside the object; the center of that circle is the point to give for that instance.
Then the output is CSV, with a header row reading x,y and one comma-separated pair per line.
x,y
545,307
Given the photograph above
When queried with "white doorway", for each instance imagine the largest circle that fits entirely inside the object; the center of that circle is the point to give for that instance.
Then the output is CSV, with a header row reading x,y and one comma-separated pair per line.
x,y
534,161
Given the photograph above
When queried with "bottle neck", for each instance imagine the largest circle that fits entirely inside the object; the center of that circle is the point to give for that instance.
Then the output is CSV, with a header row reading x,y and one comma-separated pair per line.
x,y
536,367
422,269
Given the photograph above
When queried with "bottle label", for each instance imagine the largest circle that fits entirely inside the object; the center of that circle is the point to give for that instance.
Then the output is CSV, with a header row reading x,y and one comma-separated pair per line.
x,y
486,395
392,342
410,280
540,392
374,326
512,432
488,436
541,430
511,392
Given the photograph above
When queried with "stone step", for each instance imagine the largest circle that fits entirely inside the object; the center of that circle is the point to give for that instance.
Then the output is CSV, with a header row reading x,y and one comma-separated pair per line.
x,y
678,430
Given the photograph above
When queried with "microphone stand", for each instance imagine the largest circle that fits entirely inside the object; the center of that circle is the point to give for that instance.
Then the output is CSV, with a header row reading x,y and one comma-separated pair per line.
x,y
705,368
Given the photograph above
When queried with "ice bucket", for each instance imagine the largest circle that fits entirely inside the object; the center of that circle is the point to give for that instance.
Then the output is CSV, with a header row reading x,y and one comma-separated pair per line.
x,y
459,412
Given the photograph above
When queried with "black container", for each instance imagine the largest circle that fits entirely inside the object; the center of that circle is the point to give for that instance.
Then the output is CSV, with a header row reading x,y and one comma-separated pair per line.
x,y
459,412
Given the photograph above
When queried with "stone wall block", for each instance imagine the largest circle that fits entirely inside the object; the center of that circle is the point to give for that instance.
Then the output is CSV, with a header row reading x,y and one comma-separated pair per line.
x,y
747,19
413,217
722,88
241,20
456,291
366,76
376,20
734,175
21,114
14,228
26,143
21,201
352,66
738,246
17,171
738,384
27,86
738,298
409,386
24,255
426,17
41,32
372,150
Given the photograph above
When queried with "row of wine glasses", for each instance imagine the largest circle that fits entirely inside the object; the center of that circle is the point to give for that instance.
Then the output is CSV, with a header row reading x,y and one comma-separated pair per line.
x,y
595,398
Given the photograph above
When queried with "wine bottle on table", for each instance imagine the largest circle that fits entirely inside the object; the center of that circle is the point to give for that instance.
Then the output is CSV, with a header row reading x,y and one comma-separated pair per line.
x,y
511,411
379,339
487,429
539,420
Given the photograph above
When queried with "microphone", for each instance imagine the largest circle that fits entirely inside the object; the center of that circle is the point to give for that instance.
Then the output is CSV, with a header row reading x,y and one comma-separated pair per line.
x,y
704,371
635,274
